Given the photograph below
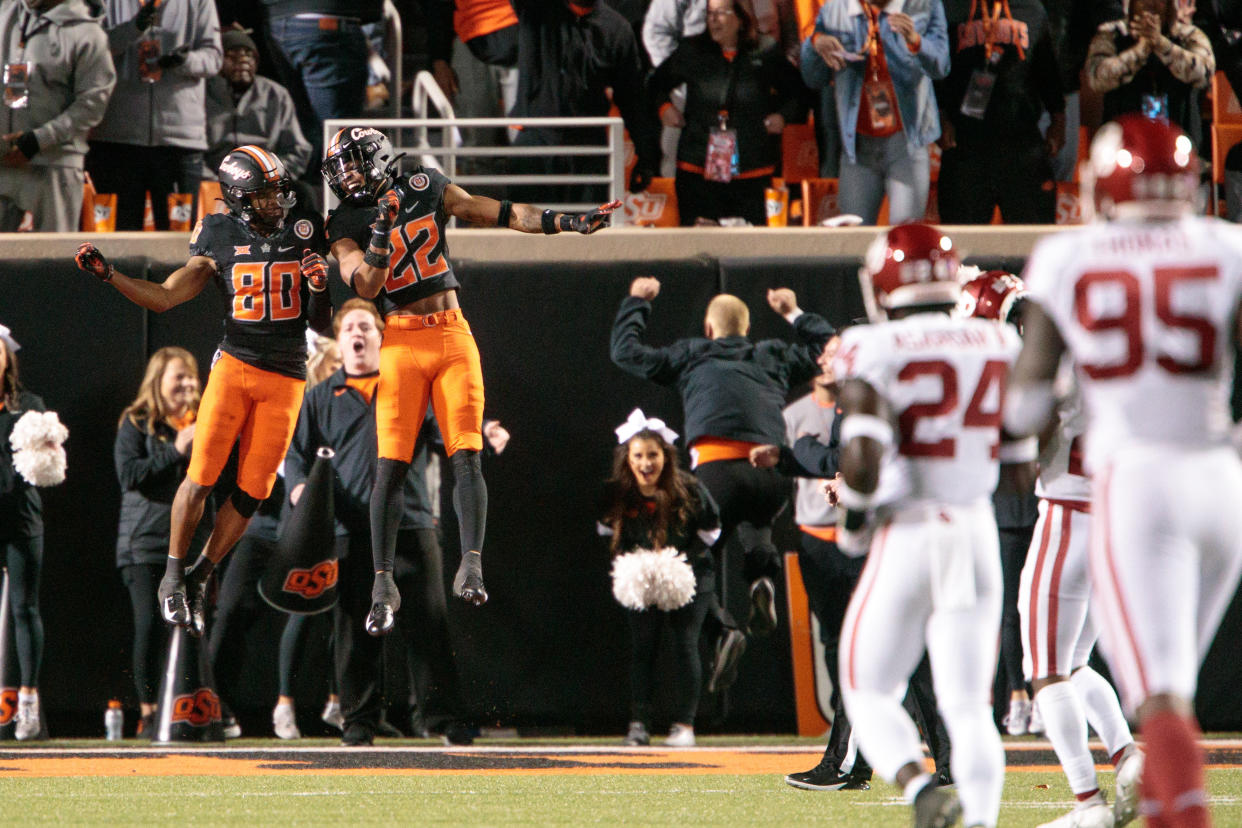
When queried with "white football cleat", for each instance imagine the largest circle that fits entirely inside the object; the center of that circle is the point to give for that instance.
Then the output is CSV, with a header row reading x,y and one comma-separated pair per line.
x,y
680,736
1126,793
1094,813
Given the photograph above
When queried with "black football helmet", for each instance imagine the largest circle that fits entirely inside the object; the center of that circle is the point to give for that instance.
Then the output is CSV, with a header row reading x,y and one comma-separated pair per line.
x,y
247,171
361,149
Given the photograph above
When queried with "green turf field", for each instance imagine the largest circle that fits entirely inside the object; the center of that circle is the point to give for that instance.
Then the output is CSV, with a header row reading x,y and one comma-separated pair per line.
x,y
92,791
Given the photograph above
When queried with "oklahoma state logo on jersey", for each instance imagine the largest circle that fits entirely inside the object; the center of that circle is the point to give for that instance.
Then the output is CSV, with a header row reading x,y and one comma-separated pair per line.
x,y
8,705
311,583
197,709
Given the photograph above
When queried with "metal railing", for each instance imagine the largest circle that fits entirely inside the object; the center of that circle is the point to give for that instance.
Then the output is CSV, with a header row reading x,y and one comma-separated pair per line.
x,y
394,45
435,142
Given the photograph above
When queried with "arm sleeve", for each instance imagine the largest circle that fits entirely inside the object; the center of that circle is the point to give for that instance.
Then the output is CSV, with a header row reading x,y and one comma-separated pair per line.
x,y
1107,70
630,354
933,51
319,312
629,95
93,80
790,92
288,140
815,73
813,333
205,55
139,459
440,33
815,459
707,521
662,29
302,448
1193,63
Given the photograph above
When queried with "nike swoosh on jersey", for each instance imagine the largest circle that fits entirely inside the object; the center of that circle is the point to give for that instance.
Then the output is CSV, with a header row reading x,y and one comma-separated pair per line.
x,y
285,249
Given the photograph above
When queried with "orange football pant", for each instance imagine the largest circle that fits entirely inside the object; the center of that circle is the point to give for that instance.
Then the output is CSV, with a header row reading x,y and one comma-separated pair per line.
x,y
423,358
259,407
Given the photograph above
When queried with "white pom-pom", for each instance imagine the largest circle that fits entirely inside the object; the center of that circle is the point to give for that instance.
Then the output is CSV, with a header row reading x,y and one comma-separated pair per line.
x,y
629,585
645,578
38,453
671,585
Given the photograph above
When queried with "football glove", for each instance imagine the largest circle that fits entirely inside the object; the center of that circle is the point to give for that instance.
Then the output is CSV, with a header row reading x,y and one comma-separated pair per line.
x,y
314,271
386,213
89,258
590,221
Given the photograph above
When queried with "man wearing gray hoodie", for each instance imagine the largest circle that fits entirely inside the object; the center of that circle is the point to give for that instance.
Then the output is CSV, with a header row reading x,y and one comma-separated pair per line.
x,y
58,80
155,131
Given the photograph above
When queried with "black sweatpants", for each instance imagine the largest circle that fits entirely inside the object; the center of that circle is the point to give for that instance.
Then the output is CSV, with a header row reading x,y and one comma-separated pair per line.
x,y
830,577
683,626
23,557
150,633
699,198
1014,544
1015,175
749,500
422,620
238,606
131,171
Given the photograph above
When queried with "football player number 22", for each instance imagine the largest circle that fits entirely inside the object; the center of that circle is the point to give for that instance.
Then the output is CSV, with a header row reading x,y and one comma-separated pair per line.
x,y
266,291
984,410
412,246
1128,319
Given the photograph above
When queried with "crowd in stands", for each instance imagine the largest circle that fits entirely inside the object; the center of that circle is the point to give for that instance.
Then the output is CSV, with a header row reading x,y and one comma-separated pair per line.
x,y
957,110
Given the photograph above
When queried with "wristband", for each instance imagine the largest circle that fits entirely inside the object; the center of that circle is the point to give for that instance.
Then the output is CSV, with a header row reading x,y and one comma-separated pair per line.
x,y
854,500
549,222
376,260
506,212
867,425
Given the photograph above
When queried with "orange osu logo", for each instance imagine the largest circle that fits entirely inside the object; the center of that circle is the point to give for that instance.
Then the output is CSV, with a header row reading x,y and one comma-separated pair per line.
x,y
8,705
645,207
197,709
311,583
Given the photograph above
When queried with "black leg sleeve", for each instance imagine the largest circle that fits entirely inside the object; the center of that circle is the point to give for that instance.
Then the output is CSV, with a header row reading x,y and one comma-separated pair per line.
x,y
469,499
644,636
141,580
387,505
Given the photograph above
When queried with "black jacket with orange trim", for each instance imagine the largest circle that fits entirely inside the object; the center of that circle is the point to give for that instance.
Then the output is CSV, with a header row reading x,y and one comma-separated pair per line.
x,y
730,387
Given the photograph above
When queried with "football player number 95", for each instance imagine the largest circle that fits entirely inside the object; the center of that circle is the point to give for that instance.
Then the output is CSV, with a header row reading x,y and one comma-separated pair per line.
x,y
1128,320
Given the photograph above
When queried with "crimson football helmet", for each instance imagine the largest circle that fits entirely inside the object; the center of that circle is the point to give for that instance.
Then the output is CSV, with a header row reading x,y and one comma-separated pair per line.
x,y
364,150
249,171
1140,167
910,265
994,295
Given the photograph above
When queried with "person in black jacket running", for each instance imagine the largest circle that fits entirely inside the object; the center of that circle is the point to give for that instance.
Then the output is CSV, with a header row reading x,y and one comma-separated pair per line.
x,y
732,392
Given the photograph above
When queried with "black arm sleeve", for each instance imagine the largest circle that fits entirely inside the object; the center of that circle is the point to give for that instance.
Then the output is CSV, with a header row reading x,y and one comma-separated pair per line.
x,y
139,458
319,312
630,354
440,34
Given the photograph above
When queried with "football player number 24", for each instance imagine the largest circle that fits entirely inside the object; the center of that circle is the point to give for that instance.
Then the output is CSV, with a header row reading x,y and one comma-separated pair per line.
x,y
266,291
983,411
412,246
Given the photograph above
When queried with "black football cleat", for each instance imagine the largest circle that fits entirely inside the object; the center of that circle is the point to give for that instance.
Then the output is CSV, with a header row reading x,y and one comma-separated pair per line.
x,y
174,606
934,807
385,601
825,776
762,619
856,781
468,583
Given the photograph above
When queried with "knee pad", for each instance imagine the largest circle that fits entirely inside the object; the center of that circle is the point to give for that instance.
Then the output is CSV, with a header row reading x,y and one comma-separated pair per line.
x,y
245,505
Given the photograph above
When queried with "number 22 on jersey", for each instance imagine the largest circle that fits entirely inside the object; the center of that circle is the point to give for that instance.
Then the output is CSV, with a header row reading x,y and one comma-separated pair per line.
x,y
413,245
267,291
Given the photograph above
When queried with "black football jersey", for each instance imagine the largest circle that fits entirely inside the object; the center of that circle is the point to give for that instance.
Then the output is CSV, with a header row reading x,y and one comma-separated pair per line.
x,y
261,277
419,264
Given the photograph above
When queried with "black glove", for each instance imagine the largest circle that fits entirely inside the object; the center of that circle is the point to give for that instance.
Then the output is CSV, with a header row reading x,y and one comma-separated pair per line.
x,y
386,210
146,13
89,258
640,179
172,59
590,221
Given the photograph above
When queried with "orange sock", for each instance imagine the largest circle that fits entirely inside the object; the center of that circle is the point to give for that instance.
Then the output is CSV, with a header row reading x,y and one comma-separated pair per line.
x,y
1173,774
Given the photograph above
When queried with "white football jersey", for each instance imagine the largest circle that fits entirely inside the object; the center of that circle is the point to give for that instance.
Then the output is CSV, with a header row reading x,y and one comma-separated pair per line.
x,y
1146,310
1062,470
944,380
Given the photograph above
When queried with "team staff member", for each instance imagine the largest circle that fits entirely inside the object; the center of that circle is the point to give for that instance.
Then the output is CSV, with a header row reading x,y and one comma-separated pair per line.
x,y
270,267
339,413
428,350
732,391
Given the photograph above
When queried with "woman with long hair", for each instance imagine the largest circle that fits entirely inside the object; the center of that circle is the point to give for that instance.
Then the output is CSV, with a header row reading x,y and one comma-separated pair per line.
x,y
21,541
152,453
651,504
740,93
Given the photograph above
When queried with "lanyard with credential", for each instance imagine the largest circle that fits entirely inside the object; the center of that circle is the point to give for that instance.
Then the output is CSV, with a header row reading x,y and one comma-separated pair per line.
x,y
989,26
872,49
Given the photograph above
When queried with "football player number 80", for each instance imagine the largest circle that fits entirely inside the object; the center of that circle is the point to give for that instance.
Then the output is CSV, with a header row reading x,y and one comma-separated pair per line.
x,y
421,237
1128,320
263,290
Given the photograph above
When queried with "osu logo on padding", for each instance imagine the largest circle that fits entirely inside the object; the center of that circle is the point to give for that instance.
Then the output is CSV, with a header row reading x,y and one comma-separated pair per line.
x,y
197,709
310,583
8,705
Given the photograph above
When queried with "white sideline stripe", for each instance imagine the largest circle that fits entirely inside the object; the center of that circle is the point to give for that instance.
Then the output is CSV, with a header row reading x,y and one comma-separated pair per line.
x,y
899,802
384,792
